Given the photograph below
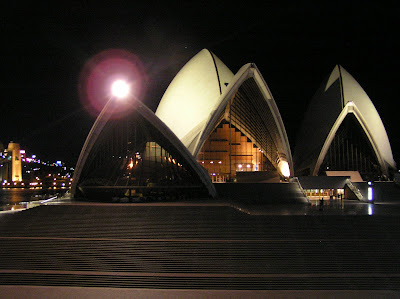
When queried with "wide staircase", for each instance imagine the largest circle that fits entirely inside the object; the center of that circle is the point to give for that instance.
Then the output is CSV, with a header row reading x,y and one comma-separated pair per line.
x,y
196,246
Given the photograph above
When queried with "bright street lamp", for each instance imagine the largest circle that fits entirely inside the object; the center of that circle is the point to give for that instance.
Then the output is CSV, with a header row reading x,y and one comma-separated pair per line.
x,y
120,89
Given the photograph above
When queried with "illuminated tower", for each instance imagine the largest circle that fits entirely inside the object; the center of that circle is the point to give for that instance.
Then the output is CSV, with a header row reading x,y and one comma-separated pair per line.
x,y
16,165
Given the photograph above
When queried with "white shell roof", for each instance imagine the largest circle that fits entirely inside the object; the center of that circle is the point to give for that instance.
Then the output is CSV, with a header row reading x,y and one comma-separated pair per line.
x,y
193,94
353,92
199,93
353,99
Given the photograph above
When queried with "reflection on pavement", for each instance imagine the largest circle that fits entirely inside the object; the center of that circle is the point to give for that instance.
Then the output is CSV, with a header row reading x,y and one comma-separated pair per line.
x,y
325,207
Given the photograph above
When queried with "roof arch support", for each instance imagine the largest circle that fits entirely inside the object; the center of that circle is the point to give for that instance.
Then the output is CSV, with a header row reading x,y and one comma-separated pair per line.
x,y
150,138
350,107
268,113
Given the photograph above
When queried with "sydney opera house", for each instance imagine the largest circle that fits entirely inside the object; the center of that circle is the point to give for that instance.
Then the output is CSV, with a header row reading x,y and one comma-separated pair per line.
x,y
213,126
217,134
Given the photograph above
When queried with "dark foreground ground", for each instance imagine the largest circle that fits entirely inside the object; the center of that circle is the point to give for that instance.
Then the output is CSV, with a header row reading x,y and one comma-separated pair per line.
x,y
211,249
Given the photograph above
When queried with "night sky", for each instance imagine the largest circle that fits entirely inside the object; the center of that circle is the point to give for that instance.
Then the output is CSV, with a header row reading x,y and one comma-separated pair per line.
x,y
45,46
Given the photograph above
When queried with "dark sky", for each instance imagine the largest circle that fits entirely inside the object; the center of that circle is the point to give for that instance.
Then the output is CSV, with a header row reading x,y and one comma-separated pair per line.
x,y
45,46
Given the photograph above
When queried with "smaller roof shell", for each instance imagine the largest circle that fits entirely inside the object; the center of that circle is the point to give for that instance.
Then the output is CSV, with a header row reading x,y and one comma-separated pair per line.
x,y
338,96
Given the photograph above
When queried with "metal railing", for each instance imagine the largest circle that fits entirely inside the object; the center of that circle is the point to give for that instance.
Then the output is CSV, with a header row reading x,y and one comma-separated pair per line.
x,y
355,190
296,180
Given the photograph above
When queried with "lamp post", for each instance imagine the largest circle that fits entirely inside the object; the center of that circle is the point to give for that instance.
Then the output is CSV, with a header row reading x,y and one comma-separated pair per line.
x,y
120,89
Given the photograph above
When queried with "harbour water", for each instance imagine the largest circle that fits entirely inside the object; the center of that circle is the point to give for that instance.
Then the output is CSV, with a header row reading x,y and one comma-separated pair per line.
x,y
16,195
20,198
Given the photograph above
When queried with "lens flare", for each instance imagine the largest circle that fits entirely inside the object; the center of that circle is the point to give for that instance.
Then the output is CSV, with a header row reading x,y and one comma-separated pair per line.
x,y
120,89
105,69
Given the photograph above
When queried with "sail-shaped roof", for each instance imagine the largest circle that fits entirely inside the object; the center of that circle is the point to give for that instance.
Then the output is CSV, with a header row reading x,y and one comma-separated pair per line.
x,y
201,94
339,95
136,150
193,94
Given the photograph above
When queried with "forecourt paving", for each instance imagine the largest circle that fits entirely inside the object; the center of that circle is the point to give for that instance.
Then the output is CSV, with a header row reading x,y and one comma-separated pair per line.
x,y
201,247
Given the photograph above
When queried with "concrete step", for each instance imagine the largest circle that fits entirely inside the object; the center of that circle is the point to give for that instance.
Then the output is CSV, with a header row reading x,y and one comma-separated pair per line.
x,y
196,247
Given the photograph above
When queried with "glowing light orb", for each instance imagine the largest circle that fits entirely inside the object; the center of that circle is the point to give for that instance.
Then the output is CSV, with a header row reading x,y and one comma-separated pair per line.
x,y
102,71
284,169
120,89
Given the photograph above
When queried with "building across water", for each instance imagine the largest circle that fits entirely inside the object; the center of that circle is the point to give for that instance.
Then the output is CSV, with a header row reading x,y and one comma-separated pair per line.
x,y
11,165
18,170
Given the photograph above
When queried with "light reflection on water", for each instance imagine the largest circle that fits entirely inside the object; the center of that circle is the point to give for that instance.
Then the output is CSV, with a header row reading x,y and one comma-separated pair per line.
x,y
14,195
16,198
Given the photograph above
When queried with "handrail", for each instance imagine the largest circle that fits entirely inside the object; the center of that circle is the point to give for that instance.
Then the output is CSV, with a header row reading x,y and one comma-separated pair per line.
x,y
296,180
355,190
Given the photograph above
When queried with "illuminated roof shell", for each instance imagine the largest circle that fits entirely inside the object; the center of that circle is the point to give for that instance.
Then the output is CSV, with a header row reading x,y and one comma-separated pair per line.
x,y
193,94
338,96
200,92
